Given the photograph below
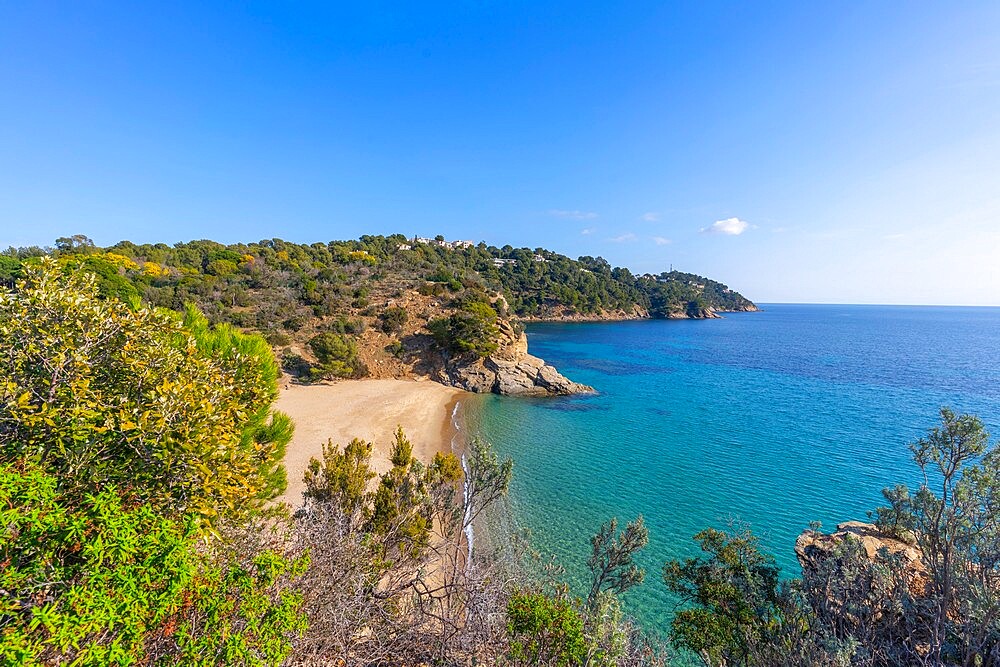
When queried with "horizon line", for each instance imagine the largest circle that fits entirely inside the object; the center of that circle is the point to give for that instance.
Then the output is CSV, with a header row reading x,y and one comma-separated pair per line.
x,y
873,303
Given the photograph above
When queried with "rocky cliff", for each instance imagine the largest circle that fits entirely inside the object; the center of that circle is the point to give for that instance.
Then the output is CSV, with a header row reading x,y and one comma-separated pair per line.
x,y
412,352
563,314
509,371
636,313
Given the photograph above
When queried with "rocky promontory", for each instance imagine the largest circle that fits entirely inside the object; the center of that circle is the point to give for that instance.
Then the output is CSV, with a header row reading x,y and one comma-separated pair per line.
x,y
411,352
509,371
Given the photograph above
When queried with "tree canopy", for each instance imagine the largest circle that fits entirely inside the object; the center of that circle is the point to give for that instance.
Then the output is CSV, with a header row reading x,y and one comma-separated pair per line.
x,y
137,450
97,392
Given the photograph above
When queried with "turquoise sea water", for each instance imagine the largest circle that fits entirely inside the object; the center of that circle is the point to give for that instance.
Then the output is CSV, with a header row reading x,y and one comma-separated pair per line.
x,y
794,414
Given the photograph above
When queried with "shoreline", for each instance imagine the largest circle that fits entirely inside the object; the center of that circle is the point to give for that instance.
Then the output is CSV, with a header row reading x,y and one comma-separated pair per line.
x,y
370,410
451,430
615,319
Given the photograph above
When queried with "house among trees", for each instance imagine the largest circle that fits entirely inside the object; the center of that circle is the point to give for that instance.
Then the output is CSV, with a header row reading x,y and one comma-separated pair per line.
x,y
440,242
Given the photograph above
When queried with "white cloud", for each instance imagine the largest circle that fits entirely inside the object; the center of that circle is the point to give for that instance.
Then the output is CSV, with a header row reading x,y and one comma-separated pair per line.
x,y
588,230
659,240
894,237
650,217
729,227
627,236
573,215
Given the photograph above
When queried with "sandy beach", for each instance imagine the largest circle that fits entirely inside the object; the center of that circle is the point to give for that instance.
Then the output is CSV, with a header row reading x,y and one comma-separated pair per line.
x,y
366,409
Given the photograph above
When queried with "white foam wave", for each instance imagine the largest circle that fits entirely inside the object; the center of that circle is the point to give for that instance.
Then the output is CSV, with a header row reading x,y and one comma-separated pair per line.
x,y
466,520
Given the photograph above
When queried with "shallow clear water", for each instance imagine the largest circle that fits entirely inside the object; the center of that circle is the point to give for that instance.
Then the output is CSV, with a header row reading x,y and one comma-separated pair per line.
x,y
795,414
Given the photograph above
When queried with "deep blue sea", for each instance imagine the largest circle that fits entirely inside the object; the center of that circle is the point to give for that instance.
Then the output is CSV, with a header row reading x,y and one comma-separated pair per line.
x,y
795,414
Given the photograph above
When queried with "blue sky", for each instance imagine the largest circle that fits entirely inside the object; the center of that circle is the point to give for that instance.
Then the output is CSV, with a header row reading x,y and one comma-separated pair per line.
x,y
854,147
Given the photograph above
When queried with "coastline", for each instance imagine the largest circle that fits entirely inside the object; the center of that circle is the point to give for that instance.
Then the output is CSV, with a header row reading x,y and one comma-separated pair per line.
x,y
611,317
370,410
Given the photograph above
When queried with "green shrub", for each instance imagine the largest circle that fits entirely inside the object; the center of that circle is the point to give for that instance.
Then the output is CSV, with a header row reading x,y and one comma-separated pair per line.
x,y
337,355
544,630
294,323
10,270
346,325
221,267
472,330
432,289
106,579
278,339
173,407
393,319
294,364
110,282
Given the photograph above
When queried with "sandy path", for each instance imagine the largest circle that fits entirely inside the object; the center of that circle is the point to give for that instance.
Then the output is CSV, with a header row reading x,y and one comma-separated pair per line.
x,y
366,409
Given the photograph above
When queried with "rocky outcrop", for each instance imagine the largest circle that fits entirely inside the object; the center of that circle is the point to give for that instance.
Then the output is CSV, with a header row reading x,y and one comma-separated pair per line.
x,y
636,313
748,308
509,371
526,376
813,548
564,314
699,314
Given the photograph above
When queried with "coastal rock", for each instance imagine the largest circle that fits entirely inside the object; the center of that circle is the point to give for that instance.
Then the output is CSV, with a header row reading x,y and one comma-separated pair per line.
x,y
472,377
530,375
700,314
510,370
526,375
565,314
813,547
748,308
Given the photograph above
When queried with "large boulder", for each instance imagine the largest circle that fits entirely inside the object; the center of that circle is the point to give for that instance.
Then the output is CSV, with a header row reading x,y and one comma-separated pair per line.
x,y
525,375
529,375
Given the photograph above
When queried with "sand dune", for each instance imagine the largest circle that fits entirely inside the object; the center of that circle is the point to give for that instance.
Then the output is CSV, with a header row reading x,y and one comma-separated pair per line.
x,y
366,409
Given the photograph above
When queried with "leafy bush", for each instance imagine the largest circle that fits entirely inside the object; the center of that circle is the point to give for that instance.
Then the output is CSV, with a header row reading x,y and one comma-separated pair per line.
x,y
278,339
445,277
294,364
169,406
221,267
544,630
121,472
337,355
393,319
432,289
10,270
345,325
382,573
111,283
107,580
294,323
733,593
470,330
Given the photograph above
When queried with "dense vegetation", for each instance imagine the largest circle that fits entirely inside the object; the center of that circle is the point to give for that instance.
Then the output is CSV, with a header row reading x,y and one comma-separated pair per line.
x,y
128,438
137,452
273,286
139,449
321,305
471,328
